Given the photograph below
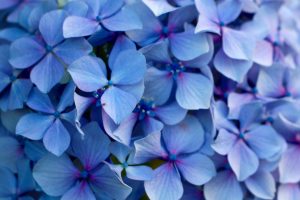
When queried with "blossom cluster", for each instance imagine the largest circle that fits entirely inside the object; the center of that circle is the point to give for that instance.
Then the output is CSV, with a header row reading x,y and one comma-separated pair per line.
x,y
150,99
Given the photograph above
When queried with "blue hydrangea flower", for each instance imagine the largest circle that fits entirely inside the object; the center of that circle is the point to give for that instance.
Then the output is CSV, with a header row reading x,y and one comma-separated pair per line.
x,y
47,122
184,44
192,79
178,146
87,177
114,16
49,54
14,85
119,89
124,156
248,142
145,119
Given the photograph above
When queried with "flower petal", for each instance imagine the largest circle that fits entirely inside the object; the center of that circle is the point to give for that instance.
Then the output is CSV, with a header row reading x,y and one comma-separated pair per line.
x,y
288,192
81,191
75,26
289,165
140,173
170,114
40,102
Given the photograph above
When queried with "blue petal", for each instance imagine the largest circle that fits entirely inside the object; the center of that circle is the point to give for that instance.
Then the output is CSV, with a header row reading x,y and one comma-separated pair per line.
x,y
188,45
4,81
88,73
154,79
81,191
288,191
8,183
166,183
122,44
67,98
107,184
224,142
51,26
75,26
72,49
77,8
10,152
206,25
118,104
242,160
140,173
196,168
158,52
159,7
262,185
57,138
34,126
250,115
231,68
12,33
119,150
21,57
109,8
186,137
149,148
47,73
194,91
289,165
237,44
170,114
40,102
263,53
264,141
26,182
178,18
81,104
18,93
128,71
87,149
150,125
208,9
223,187
124,20
55,175
229,10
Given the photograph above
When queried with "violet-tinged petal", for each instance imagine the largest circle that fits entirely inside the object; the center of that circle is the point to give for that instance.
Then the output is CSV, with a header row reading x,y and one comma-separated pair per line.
x,y
229,10
289,165
269,82
185,137
81,191
107,184
75,26
178,18
88,73
118,104
293,83
154,79
208,9
170,114
228,188
262,185
140,173
263,53
34,126
151,125
231,68
237,44
55,175
224,142
166,183
196,168
93,148
242,160
40,102
149,148
21,57
72,49
159,7
124,20
188,45
194,91
57,138
128,71
51,26
288,192
264,141
206,25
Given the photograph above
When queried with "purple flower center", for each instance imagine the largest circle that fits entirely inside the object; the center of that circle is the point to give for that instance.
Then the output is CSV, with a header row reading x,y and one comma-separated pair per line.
x,y
175,68
84,174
